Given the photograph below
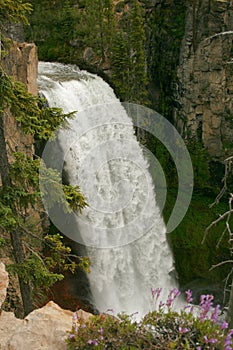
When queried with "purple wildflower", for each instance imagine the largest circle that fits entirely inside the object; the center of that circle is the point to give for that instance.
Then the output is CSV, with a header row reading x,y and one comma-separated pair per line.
x,y
228,340
171,297
158,292
92,342
169,302
161,304
206,304
152,292
175,292
214,316
211,340
183,330
224,325
189,298
75,317
71,336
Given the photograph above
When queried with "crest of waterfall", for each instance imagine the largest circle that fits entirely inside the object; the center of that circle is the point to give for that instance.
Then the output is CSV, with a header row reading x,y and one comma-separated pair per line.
x,y
122,229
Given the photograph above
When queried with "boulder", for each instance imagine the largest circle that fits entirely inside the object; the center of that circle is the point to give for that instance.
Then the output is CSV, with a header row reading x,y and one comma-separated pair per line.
x,y
3,283
43,329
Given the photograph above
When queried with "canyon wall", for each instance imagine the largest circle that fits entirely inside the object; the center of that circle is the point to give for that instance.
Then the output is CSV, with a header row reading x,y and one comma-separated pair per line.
x,y
204,88
21,63
44,329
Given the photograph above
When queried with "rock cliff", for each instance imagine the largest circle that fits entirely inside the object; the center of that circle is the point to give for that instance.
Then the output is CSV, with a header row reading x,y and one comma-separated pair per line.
x,y
21,63
204,90
43,329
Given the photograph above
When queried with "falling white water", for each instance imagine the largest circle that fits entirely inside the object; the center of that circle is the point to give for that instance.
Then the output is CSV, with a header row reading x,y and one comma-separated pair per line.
x,y
122,227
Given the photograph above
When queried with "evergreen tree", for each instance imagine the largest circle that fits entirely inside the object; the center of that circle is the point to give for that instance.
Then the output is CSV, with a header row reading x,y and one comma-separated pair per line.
x,y
137,42
100,22
121,65
11,11
20,193
128,61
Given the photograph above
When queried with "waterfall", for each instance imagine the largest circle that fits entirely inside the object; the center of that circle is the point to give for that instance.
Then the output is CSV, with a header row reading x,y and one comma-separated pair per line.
x,y
122,229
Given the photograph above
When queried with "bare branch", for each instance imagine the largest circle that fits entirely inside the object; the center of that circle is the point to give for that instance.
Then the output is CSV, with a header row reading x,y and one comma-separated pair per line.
x,y
221,217
221,263
228,165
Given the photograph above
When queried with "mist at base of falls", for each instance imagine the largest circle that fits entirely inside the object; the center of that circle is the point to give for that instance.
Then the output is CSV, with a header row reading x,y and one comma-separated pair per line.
x,y
122,228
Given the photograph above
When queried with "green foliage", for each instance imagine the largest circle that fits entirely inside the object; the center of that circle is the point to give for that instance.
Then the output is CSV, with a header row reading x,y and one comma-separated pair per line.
x,y
74,197
11,11
158,329
200,164
87,24
53,191
55,42
23,190
15,201
28,109
21,193
164,31
120,64
7,218
100,25
95,25
59,257
2,242
138,57
34,271
193,259
14,11
128,57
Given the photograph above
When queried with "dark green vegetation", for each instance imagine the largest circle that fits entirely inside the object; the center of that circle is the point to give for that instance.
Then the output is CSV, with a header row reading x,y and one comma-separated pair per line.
x,y
161,329
93,35
20,198
21,213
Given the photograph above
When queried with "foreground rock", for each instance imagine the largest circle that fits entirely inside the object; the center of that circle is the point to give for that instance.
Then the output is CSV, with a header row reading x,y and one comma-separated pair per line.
x,y
45,328
3,283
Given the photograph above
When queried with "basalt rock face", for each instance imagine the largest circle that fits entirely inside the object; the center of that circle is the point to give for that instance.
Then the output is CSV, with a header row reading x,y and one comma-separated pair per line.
x,y
45,328
3,283
21,63
204,90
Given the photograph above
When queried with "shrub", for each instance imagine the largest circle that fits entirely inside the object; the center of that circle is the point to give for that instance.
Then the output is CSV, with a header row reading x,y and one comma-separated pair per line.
x,y
194,327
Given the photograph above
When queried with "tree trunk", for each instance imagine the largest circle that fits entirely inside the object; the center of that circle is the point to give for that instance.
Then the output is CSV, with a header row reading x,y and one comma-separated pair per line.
x,y
230,308
19,256
15,235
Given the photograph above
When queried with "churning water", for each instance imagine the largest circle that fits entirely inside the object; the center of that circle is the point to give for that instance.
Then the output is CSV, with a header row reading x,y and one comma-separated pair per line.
x,y
122,229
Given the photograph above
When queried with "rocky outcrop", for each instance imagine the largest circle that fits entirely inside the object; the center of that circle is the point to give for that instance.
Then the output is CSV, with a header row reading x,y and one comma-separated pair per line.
x,y
22,64
3,283
43,329
204,91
